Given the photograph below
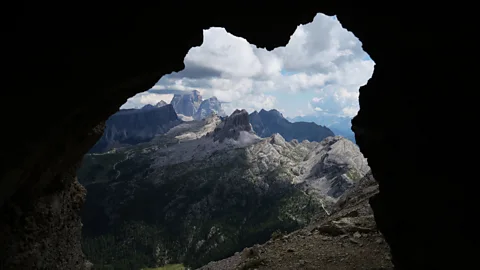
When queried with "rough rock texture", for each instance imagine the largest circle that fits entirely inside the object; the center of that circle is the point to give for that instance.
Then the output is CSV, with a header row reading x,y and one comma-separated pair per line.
x,y
348,239
52,223
266,123
132,126
207,107
187,104
233,126
93,59
197,199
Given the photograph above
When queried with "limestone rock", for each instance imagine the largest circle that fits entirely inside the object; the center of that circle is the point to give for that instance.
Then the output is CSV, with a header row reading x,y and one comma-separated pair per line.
x,y
187,104
207,107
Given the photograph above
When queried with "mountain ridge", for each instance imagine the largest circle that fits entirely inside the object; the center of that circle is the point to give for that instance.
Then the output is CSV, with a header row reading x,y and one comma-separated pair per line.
x,y
182,196
133,126
340,125
265,123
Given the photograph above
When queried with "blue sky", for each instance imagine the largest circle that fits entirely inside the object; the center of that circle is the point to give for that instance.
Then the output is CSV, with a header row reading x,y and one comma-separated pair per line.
x,y
320,69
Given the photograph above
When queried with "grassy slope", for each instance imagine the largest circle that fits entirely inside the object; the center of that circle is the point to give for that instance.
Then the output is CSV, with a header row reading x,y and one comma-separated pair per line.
x,y
180,211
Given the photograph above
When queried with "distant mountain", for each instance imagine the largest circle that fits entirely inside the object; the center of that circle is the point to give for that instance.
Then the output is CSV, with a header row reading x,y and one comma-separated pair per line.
x,y
158,105
133,126
266,123
207,189
161,104
192,105
338,124
207,107
187,104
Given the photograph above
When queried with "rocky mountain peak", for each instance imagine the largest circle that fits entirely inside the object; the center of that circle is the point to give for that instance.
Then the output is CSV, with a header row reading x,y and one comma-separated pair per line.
x,y
233,125
209,106
196,95
266,123
277,139
147,107
273,112
161,104
187,104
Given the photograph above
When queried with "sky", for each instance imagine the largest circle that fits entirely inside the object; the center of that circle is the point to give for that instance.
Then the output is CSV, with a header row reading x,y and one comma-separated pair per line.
x,y
320,70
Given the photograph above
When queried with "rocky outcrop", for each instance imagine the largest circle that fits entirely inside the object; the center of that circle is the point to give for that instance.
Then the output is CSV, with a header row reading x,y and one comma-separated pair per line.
x,y
233,126
266,123
187,104
207,107
347,239
132,126
212,176
161,103
53,223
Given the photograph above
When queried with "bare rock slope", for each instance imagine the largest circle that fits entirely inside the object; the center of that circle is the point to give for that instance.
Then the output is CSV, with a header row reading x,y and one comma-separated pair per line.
x,y
348,239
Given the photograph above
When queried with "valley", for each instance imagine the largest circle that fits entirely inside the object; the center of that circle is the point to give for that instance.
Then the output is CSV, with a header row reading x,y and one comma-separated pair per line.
x,y
206,189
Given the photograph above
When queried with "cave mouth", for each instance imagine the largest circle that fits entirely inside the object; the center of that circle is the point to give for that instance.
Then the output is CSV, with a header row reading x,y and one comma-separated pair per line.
x,y
326,86
94,59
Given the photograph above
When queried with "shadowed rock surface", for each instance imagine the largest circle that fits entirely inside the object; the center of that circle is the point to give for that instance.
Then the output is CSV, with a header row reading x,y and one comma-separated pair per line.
x,y
266,123
73,80
161,103
233,126
133,126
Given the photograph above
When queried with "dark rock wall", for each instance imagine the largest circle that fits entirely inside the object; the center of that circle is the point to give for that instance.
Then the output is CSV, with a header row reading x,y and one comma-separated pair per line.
x,y
132,126
71,67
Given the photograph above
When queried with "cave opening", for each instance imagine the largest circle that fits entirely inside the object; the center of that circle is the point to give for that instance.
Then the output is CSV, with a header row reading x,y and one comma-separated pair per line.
x,y
72,70
146,206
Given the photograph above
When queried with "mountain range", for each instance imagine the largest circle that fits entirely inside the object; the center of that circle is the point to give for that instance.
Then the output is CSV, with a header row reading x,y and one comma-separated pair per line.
x,y
340,125
193,105
205,189
133,126
266,123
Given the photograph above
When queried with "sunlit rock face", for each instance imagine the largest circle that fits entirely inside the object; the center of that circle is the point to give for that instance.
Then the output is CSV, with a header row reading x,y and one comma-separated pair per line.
x,y
209,106
187,104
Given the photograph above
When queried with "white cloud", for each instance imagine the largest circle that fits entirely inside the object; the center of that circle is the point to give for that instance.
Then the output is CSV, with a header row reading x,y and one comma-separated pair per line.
x,y
255,102
322,59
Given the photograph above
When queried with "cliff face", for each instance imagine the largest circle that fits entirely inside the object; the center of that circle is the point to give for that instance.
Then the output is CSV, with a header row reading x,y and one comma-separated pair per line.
x,y
208,188
132,126
267,123
233,126
187,104
209,106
